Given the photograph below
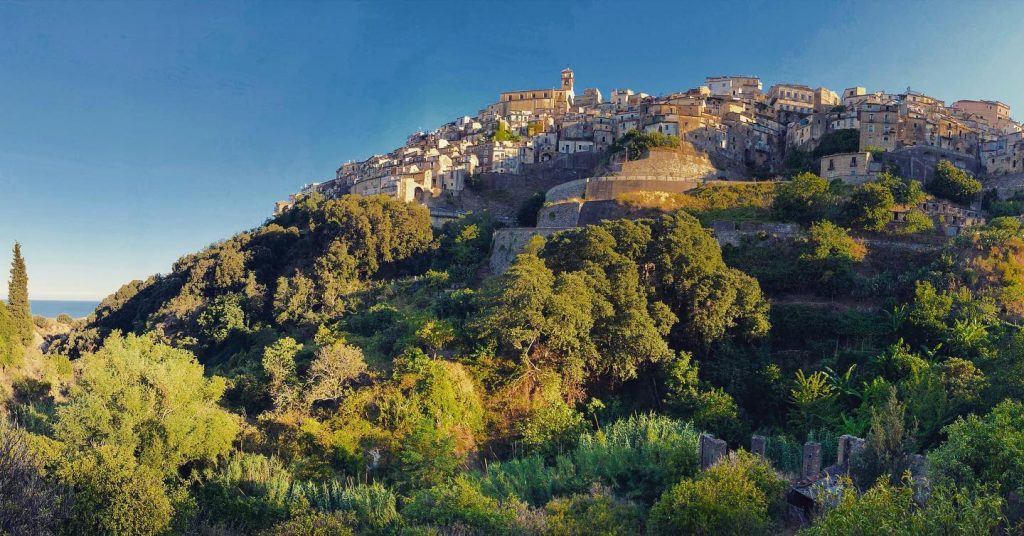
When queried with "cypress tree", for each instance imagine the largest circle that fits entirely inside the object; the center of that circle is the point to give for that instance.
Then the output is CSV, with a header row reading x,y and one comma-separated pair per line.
x,y
17,297
10,349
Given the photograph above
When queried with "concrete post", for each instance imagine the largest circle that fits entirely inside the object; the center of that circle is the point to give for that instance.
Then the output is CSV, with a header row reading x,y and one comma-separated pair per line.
x,y
711,451
812,460
758,444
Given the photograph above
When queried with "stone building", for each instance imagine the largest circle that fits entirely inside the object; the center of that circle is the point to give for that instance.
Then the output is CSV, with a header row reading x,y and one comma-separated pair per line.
x,y
791,101
537,101
734,86
995,113
878,124
851,168
825,99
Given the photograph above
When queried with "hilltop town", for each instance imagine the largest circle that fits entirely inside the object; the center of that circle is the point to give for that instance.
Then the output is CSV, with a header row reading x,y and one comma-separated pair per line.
x,y
746,133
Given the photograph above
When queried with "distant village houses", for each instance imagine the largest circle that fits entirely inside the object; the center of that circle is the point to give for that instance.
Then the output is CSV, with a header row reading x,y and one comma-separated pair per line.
x,y
731,118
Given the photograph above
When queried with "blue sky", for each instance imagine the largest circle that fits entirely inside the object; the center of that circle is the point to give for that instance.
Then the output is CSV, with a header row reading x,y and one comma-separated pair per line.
x,y
133,133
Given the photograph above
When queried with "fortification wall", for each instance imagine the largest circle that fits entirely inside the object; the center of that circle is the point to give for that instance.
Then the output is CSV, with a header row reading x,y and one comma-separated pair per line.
x,y
562,214
918,162
575,189
683,163
600,188
508,242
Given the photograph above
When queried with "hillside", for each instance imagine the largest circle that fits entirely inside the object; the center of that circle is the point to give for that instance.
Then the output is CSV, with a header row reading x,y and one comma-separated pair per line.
x,y
348,367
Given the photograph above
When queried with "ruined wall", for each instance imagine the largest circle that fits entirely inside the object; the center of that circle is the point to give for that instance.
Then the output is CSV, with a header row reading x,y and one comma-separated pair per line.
x,y
732,233
508,242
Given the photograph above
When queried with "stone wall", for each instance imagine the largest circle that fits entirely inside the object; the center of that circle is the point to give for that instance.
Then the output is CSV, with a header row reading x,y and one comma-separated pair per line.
x,y
575,189
565,167
600,188
684,162
508,242
562,214
732,233
918,162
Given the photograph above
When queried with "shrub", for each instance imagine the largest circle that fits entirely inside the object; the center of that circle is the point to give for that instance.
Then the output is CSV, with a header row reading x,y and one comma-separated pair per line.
x,y
892,510
460,504
984,449
313,524
734,497
30,501
597,513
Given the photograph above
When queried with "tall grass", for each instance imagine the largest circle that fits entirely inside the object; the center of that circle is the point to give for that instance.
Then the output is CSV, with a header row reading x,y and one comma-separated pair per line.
x,y
265,491
786,454
637,457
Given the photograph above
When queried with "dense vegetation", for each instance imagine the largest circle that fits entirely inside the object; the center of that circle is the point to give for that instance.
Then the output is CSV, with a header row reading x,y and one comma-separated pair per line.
x,y
345,369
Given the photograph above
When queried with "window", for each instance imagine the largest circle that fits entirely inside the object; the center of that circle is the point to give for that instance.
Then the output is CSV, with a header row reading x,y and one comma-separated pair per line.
x,y
831,164
853,161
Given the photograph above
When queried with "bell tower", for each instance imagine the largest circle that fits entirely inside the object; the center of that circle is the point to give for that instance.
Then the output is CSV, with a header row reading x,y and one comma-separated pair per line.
x,y
567,79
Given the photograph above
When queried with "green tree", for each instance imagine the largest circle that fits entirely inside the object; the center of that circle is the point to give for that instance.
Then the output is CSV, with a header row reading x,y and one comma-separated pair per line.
x,y
830,243
904,192
17,298
984,449
872,206
814,403
804,198
11,352
890,441
335,367
279,365
953,183
139,414
222,318
147,399
638,144
513,307
845,140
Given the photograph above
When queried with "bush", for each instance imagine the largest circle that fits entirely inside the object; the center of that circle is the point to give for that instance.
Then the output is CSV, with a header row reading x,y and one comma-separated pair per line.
x,y
30,501
984,449
460,504
733,497
313,524
597,513
892,510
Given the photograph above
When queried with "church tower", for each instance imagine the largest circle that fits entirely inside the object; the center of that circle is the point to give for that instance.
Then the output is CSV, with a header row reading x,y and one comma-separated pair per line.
x,y
567,80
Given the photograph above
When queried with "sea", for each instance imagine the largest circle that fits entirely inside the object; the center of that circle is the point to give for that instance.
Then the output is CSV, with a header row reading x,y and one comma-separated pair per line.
x,y
52,308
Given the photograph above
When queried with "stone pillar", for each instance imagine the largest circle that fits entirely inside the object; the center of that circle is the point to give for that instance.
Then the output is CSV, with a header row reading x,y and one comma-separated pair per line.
x,y
849,448
918,467
812,460
711,451
758,444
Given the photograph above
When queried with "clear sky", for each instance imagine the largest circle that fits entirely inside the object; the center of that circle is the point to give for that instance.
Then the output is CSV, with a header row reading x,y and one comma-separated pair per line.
x,y
133,133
